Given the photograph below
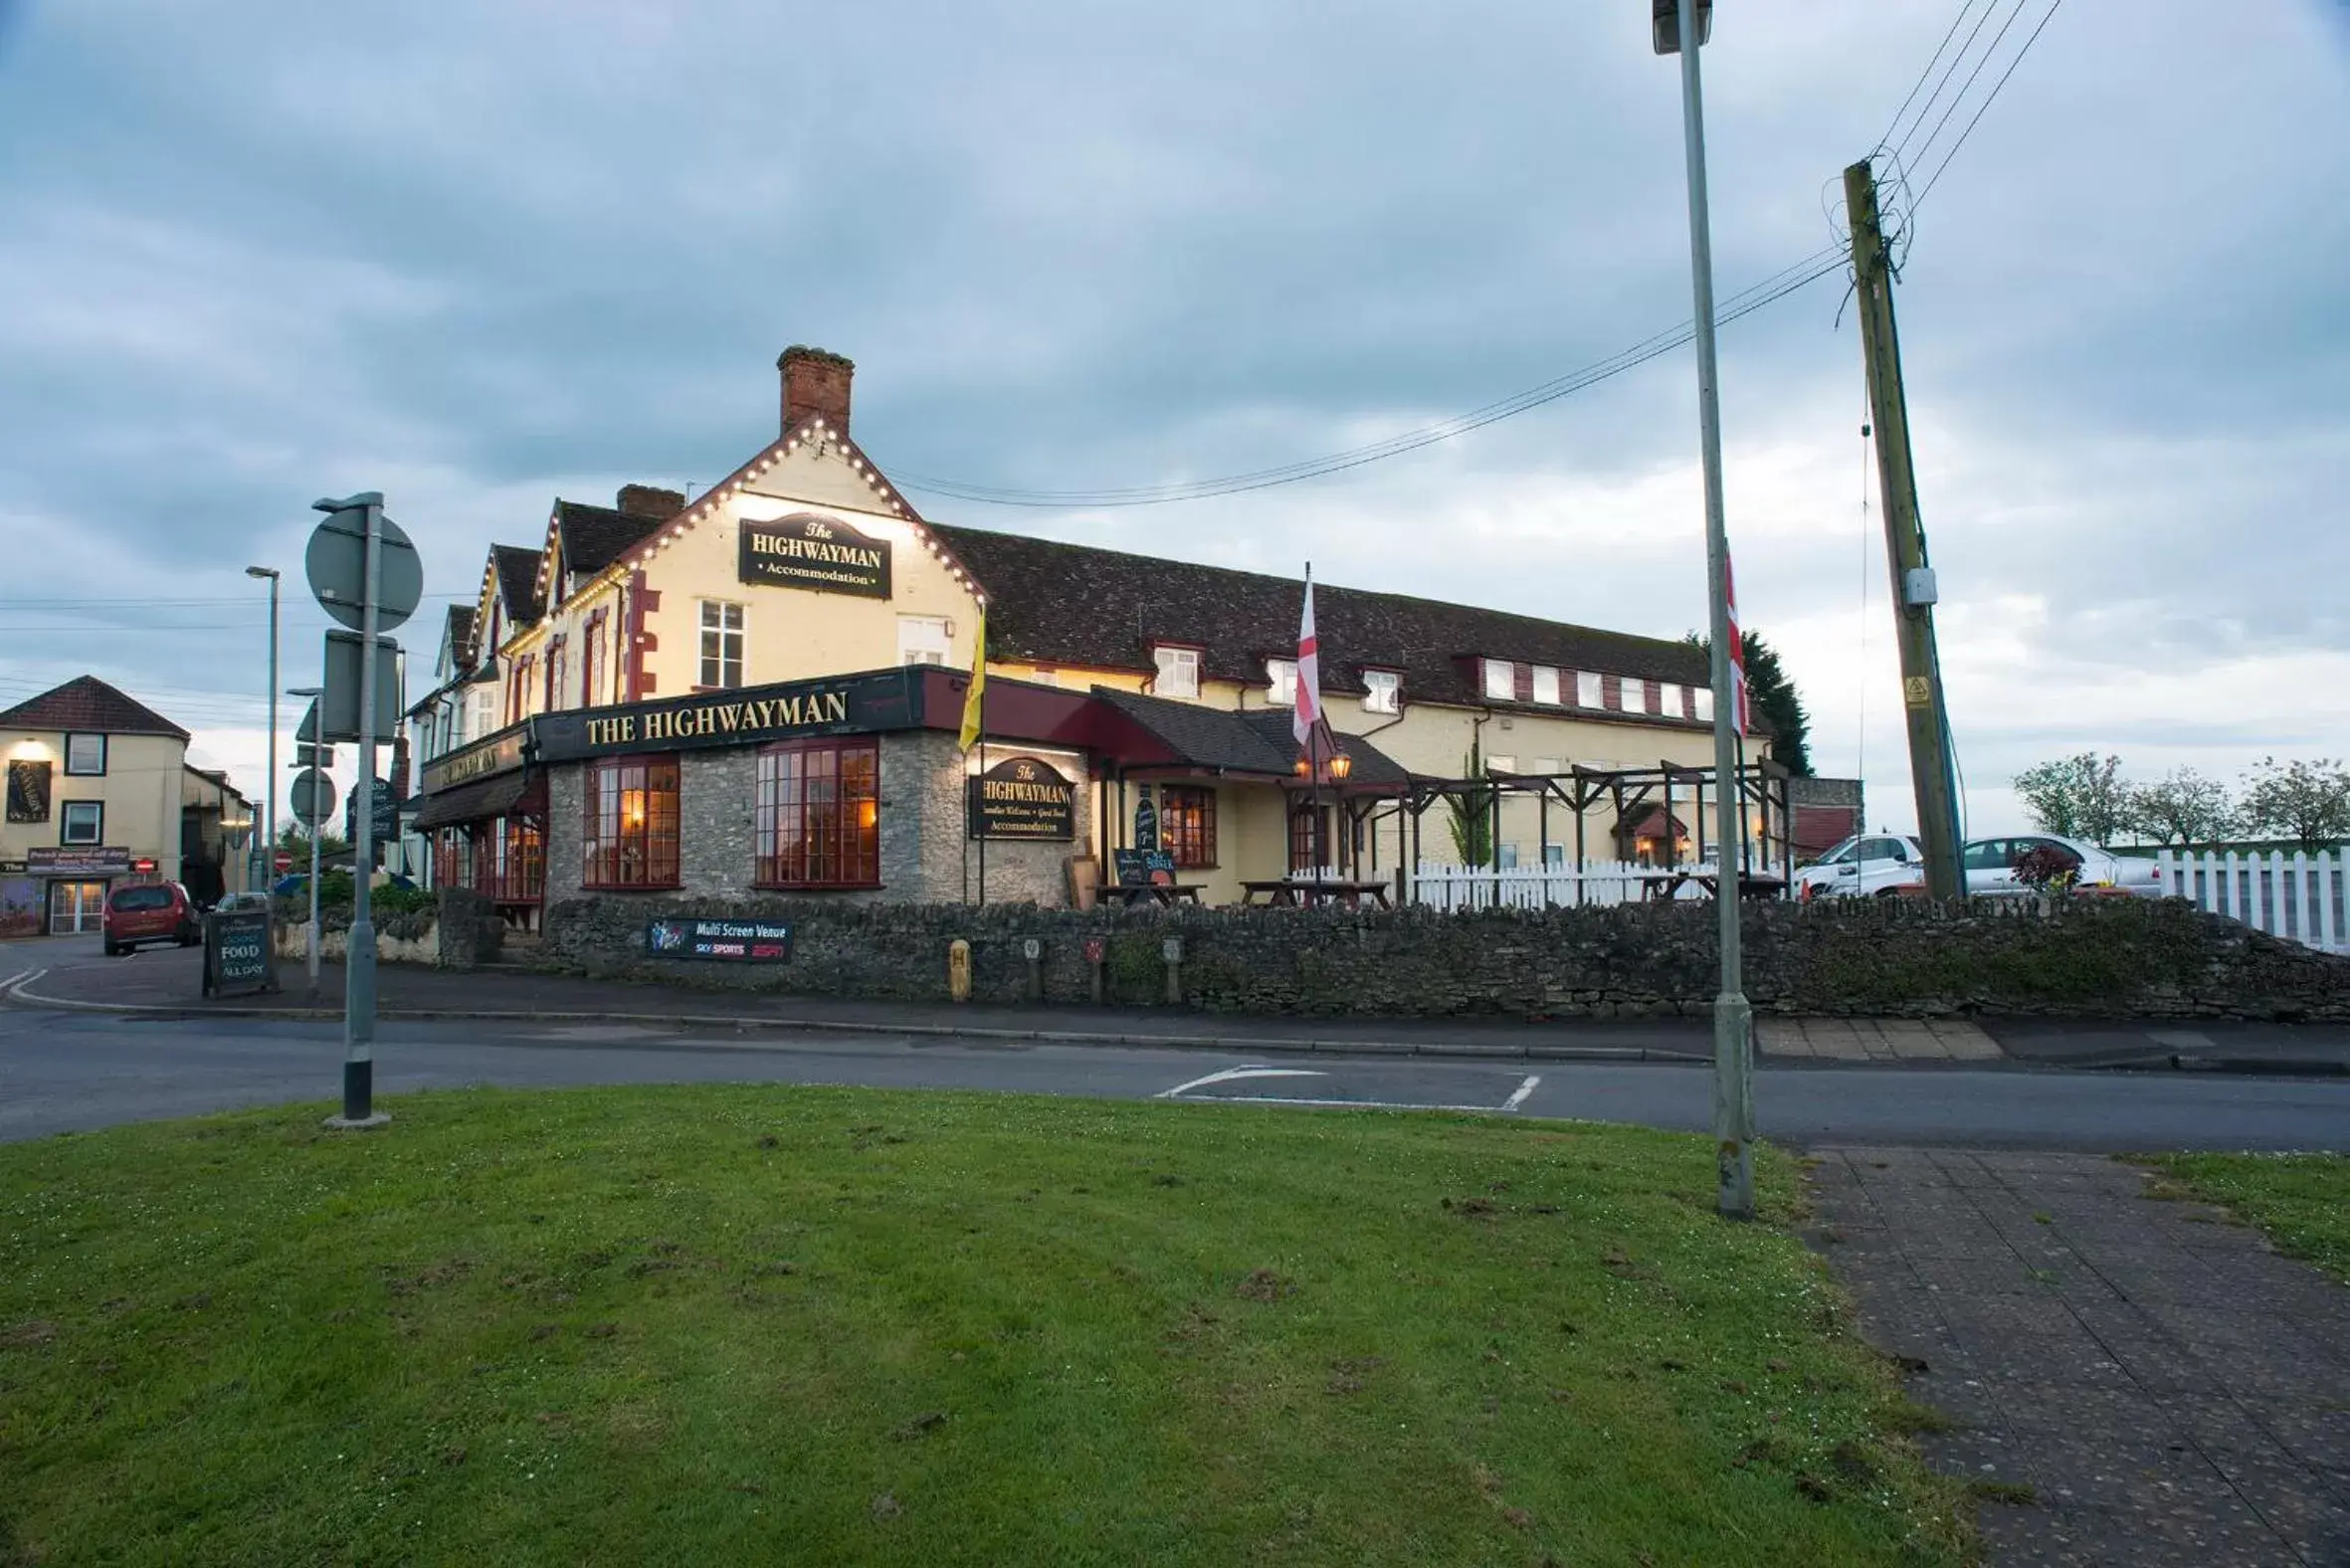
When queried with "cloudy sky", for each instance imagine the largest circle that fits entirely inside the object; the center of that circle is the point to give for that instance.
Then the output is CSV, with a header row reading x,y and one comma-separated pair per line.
x,y
481,255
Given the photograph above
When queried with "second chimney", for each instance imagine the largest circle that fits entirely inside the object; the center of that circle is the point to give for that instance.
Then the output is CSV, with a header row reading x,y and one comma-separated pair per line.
x,y
815,382
649,501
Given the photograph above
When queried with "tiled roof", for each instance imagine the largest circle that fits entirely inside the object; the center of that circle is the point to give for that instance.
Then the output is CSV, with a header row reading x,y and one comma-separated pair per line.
x,y
593,538
1075,604
517,583
459,635
1258,742
88,706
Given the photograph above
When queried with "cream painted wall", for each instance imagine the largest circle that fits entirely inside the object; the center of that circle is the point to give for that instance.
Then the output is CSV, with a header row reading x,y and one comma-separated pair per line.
x,y
140,789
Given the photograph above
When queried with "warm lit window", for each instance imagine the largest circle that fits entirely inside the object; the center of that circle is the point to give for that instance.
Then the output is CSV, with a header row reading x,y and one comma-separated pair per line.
x,y
820,815
923,640
84,822
631,832
1187,825
1636,695
722,644
86,756
1179,673
1545,684
1383,691
1588,692
1281,683
1501,681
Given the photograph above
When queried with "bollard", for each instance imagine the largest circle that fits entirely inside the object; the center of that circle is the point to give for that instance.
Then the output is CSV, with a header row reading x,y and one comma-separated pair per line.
x,y
1172,951
958,971
1034,952
1097,951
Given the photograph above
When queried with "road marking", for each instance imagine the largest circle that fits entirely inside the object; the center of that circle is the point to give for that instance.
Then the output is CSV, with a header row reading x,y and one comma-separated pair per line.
x,y
21,974
1230,1075
14,989
1523,1089
1343,1104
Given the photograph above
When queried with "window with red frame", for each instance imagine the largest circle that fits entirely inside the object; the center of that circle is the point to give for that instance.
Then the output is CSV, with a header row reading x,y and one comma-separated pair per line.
x,y
631,832
1187,824
588,695
820,815
554,675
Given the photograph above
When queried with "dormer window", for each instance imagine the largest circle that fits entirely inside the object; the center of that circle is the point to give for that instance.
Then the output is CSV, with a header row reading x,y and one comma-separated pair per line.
x,y
1383,691
1281,683
1547,684
1636,695
1501,681
1179,670
1588,691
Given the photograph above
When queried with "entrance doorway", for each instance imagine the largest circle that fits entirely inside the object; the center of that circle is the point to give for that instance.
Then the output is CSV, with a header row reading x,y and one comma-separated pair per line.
x,y
77,909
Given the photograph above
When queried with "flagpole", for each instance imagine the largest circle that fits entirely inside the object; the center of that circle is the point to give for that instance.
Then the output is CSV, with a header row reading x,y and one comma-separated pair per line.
x,y
983,790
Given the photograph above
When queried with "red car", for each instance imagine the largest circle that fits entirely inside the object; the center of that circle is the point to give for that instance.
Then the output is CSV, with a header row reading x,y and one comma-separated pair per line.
x,y
151,912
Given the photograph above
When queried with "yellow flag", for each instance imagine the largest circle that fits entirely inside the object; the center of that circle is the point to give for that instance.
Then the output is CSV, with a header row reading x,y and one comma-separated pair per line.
x,y
972,697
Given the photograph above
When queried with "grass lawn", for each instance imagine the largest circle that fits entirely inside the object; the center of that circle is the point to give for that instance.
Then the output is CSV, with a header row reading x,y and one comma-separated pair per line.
x,y
758,1324
2302,1201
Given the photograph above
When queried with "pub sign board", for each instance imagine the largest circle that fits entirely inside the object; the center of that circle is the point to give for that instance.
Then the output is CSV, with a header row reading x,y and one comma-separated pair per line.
x,y
499,754
819,554
1022,798
843,706
733,941
54,861
239,958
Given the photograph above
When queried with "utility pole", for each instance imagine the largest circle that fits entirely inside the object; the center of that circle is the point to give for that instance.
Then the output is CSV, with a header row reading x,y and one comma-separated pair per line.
x,y
1905,546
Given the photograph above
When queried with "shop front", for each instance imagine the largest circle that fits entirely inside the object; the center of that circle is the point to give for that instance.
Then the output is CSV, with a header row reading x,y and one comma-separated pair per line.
x,y
72,884
485,816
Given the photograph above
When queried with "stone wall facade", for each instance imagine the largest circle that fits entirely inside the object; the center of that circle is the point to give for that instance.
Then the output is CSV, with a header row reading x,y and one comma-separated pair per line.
x,y
926,856
2106,959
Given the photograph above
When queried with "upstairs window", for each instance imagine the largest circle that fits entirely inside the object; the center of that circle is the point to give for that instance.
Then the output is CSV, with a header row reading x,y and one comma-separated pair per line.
x,y
1179,672
83,822
1588,691
923,640
1701,703
1281,683
721,645
1501,764
1545,684
1383,691
1501,681
1636,695
86,757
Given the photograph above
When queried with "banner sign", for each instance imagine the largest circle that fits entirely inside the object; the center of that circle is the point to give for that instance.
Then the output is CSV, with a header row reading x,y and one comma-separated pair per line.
x,y
1022,798
53,860
28,791
239,959
481,760
855,705
738,941
819,554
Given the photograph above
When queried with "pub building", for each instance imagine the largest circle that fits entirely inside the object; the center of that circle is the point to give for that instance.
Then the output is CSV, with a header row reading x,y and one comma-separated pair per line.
x,y
761,691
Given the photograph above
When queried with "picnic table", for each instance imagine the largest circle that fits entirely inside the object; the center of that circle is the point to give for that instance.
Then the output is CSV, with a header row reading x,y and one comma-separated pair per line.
x,y
1751,884
1136,894
1291,892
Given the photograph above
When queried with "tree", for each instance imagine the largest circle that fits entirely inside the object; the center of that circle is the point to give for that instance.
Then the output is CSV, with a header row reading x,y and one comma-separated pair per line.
x,y
2077,797
2306,802
1776,704
1469,815
2183,808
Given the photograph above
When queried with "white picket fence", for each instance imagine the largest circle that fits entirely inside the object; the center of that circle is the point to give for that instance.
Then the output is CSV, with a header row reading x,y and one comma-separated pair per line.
x,y
2300,896
1447,887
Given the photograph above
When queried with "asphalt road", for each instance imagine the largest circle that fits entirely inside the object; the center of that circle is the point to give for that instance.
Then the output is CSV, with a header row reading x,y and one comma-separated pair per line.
x,y
71,1072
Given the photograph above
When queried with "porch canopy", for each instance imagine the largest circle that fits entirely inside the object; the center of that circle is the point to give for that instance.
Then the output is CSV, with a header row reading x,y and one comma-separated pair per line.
x,y
1665,803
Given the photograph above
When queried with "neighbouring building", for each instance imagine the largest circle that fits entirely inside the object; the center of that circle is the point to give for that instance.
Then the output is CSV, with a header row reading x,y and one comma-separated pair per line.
x,y
760,690
1824,813
100,791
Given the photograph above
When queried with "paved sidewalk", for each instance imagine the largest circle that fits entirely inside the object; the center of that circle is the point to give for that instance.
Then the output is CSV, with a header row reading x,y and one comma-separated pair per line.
x,y
1875,1040
2167,1388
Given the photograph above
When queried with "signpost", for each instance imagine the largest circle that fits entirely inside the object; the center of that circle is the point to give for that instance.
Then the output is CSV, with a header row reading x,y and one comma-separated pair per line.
x,y
366,575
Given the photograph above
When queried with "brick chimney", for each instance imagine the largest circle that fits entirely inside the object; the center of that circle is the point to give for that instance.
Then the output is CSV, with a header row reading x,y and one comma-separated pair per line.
x,y
649,501
815,382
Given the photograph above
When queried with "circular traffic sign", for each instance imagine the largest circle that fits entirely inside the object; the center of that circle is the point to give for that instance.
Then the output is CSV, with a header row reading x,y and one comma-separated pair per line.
x,y
314,796
284,861
336,565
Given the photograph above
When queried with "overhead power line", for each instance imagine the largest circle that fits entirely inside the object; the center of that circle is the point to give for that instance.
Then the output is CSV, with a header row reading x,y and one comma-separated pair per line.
x,y
1886,142
1993,97
1777,286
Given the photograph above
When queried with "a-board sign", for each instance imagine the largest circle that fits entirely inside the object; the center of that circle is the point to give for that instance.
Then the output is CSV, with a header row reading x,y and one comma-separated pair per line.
x,y
239,959
819,554
1143,868
735,941
1022,798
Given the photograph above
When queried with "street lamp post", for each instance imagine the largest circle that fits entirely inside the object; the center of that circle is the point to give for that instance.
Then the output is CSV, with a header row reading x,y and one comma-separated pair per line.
x,y
311,956
269,854
1680,28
